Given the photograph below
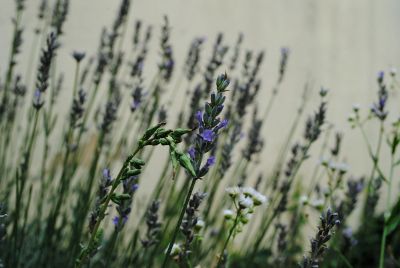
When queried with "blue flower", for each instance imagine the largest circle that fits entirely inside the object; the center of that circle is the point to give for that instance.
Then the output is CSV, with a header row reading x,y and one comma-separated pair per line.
x,y
207,135
116,220
210,161
192,153
199,118
37,99
222,124
107,175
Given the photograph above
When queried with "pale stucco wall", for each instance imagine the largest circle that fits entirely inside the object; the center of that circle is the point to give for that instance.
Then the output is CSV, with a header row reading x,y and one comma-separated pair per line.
x,y
339,44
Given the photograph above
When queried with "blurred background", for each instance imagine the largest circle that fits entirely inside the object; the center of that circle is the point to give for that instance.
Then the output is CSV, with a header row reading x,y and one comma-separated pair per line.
x,y
337,44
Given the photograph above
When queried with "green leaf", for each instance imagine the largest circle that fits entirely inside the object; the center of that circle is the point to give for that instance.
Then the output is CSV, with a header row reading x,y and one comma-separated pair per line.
x,y
394,219
150,131
133,172
186,163
137,163
162,133
174,161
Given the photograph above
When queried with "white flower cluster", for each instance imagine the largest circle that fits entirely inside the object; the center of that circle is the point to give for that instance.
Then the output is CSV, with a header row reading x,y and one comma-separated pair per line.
x,y
247,197
245,200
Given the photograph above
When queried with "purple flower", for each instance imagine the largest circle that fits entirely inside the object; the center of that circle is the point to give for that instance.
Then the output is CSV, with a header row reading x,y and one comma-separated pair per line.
x,y
130,185
116,220
381,74
207,135
134,187
285,51
192,153
210,161
135,104
199,118
222,124
107,175
382,101
37,99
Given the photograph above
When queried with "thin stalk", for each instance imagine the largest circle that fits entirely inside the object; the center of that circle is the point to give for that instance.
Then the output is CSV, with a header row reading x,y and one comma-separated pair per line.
x,y
102,214
387,214
374,157
21,177
275,212
11,62
227,239
178,225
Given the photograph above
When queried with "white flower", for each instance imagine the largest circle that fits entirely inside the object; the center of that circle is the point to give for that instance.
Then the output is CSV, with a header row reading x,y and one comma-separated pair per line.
x,y
351,118
245,202
228,214
342,167
199,225
246,217
259,198
249,191
356,107
176,249
324,161
233,191
303,200
393,71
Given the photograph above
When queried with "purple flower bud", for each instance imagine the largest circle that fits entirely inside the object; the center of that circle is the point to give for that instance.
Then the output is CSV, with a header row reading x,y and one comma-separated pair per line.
x,y
37,99
116,220
210,161
107,174
134,187
192,153
199,118
222,124
208,135
285,51
381,74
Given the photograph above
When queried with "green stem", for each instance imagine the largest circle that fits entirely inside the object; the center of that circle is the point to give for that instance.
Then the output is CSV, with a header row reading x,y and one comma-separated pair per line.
x,y
168,253
374,157
11,63
387,215
227,239
343,258
102,214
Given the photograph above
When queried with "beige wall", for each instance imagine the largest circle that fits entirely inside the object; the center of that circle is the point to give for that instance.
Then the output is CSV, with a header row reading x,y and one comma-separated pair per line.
x,y
339,44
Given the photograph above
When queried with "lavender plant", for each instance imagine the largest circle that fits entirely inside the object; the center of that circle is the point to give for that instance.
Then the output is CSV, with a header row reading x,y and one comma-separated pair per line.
x,y
59,206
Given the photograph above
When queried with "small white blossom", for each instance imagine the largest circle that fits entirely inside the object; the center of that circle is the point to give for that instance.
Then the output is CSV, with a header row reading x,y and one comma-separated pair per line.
x,y
259,199
303,200
351,118
249,191
228,214
393,71
341,167
324,161
176,249
356,107
245,202
233,191
199,225
246,217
